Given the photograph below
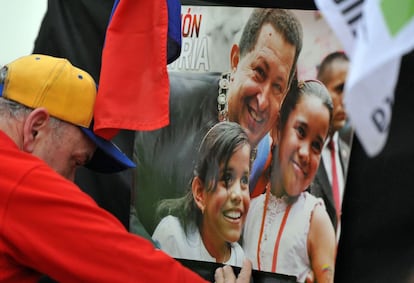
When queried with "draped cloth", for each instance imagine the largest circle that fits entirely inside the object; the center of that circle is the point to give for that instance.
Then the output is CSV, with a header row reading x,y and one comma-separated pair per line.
x,y
133,92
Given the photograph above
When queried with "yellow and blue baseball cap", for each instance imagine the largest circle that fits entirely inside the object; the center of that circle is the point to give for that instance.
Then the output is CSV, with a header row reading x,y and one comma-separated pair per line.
x,y
68,93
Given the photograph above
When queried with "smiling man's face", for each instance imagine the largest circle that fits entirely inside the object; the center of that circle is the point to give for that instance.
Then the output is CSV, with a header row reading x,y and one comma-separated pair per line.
x,y
259,83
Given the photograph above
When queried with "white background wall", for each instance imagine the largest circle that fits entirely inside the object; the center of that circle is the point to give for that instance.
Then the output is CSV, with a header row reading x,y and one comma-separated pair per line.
x,y
19,25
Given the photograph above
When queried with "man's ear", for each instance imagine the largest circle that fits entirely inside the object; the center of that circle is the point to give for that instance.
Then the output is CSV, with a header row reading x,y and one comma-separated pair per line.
x,y
198,189
34,124
234,57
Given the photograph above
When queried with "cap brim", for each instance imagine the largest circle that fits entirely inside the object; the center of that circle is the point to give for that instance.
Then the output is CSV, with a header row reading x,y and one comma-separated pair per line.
x,y
108,158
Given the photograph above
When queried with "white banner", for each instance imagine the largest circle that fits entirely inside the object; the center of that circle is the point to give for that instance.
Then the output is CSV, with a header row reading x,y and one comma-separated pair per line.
x,y
375,34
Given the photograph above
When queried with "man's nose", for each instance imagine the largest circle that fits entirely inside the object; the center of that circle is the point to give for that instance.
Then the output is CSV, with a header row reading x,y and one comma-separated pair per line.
x,y
263,96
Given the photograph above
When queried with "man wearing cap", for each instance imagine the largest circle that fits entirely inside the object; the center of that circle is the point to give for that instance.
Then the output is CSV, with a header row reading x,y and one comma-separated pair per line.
x,y
47,224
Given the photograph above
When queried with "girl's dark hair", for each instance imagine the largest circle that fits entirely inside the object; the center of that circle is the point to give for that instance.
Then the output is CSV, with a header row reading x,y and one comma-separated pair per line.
x,y
300,89
217,147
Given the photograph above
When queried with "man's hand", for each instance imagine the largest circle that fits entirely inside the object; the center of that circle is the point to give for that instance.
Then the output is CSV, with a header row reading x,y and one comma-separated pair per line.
x,y
225,274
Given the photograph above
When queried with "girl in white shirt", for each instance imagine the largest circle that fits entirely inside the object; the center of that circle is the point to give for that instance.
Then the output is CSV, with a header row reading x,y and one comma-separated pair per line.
x,y
207,222
287,229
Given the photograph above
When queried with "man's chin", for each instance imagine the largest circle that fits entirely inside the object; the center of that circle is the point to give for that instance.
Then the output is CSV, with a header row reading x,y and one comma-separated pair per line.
x,y
339,121
254,141
339,126
254,137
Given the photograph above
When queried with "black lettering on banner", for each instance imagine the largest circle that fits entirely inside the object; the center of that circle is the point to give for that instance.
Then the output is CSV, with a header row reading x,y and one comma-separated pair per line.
x,y
381,117
352,12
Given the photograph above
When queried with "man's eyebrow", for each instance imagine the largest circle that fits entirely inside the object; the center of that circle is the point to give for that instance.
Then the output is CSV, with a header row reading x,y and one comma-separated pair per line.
x,y
262,59
279,78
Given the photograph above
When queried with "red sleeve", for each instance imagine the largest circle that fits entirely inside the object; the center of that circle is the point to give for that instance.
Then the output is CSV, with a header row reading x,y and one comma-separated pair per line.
x,y
58,230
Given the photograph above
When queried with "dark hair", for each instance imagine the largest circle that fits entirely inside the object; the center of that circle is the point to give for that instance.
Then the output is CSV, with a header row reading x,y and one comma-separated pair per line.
x,y
300,89
324,68
283,21
216,148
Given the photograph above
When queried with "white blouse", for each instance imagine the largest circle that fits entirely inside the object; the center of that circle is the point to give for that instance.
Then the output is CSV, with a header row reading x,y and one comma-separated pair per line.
x,y
292,252
172,239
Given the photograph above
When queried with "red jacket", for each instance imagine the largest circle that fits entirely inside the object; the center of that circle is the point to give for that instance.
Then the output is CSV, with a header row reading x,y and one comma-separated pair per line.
x,y
49,226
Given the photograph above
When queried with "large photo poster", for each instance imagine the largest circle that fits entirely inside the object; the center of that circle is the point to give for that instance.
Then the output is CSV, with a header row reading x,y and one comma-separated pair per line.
x,y
207,189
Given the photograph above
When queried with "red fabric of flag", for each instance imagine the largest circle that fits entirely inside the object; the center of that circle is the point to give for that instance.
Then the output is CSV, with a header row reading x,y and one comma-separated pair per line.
x,y
133,90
